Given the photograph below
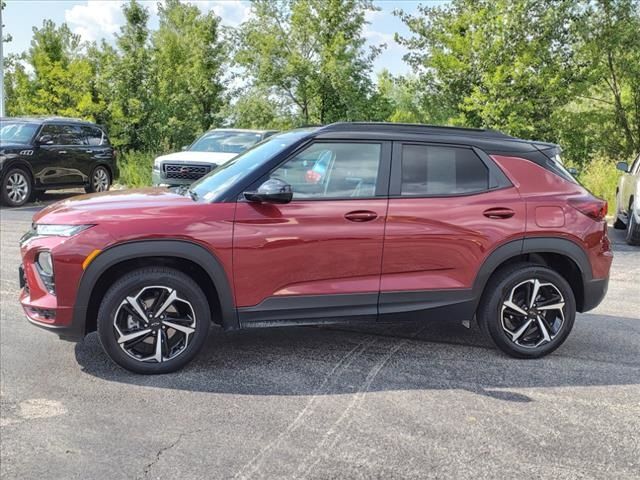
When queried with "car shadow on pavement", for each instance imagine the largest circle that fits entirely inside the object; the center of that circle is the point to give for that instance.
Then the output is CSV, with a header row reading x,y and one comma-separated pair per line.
x,y
602,350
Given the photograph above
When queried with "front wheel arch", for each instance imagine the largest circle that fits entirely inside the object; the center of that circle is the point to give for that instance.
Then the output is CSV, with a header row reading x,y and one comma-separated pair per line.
x,y
186,256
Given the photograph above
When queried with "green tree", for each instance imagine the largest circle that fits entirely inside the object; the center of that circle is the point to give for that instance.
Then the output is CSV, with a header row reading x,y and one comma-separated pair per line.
x,y
61,82
188,57
499,63
312,54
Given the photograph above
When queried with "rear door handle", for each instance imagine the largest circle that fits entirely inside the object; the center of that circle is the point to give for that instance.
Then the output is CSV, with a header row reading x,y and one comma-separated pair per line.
x,y
62,152
361,216
89,151
498,213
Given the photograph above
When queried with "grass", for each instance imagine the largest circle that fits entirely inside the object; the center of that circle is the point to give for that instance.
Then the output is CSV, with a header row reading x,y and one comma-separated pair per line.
x,y
600,176
135,168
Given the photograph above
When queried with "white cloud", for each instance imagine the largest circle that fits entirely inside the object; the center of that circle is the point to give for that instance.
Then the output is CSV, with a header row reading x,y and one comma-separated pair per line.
x,y
95,18
232,12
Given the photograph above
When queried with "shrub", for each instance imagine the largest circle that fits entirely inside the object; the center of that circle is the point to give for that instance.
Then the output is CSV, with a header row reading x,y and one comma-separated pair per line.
x,y
600,176
135,168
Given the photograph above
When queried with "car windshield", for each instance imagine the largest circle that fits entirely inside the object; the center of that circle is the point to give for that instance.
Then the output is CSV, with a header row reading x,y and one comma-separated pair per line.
x,y
211,186
229,142
17,132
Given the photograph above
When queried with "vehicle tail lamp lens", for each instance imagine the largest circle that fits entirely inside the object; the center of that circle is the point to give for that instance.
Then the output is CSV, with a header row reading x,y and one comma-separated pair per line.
x,y
594,208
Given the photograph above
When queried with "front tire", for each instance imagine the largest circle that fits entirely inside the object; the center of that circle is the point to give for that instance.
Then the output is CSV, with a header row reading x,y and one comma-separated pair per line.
x,y
17,187
100,180
527,310
153,320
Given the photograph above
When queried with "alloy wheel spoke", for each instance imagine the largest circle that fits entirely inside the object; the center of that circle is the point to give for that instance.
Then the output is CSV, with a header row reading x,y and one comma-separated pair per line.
x,y
543,329
515,336
553,306
157,356
534,293
173,296
510,304
180,328
132,336
133,301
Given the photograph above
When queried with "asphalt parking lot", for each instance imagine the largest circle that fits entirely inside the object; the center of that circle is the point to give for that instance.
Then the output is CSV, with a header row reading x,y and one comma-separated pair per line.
x,y
409,401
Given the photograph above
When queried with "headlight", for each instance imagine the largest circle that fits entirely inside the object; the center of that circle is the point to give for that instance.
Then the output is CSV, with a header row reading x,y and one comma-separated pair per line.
x,y
59,230
156,164
45,262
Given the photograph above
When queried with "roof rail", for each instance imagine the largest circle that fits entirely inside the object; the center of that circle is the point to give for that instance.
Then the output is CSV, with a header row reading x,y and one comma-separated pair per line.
x,y
413,127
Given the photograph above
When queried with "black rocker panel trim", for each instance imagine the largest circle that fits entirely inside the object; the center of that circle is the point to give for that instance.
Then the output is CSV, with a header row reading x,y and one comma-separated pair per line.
x,y
156,248
426,305
310,310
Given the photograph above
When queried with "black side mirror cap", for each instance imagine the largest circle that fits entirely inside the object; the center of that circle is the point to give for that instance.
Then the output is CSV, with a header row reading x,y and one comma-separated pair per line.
x,y
273,190
622,166
572,171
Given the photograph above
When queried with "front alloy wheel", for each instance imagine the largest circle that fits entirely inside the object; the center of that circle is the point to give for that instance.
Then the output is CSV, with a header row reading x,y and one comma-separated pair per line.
x,y
155,325
153,320
528,310
16,188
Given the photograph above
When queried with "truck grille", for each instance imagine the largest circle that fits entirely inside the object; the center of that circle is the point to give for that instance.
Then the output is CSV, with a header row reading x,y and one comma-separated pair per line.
x,y
185,172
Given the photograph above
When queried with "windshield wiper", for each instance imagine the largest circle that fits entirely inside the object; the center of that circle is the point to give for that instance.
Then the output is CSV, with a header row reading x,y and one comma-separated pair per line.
x,y
193,195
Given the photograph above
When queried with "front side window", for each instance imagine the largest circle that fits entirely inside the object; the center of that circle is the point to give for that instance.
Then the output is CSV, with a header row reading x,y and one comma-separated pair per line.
x,y
439,170
64,134
332,170
17,132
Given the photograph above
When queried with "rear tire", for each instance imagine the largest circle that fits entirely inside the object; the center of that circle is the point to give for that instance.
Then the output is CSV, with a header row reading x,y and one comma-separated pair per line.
x,y
633,229
100,180
523,327
153,320
17,187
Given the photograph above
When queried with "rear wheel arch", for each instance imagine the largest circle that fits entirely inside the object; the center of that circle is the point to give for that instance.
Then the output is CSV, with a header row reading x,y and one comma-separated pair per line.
x,y
188,257
562,255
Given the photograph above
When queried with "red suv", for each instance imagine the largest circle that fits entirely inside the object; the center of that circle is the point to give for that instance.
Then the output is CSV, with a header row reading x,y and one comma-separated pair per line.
x,y
351,222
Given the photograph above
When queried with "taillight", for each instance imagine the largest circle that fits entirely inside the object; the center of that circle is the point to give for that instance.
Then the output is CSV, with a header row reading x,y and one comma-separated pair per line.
x,y
592,207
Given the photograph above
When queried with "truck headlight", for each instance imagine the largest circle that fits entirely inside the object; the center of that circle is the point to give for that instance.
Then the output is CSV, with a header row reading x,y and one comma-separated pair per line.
x,y
156,165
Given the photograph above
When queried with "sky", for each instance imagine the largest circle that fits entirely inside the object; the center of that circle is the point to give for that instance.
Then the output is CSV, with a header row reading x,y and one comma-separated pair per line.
x,y
97,19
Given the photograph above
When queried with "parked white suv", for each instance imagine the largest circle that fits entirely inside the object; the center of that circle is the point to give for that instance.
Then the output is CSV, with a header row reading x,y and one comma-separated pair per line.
x,y
628,201
211,150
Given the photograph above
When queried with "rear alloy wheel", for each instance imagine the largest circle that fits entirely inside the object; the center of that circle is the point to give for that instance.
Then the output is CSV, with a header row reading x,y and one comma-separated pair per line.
x,y
528,310
153,320
16,188
100,180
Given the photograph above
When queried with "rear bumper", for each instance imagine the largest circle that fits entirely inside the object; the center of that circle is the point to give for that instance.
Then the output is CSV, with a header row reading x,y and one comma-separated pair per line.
x,y
594,292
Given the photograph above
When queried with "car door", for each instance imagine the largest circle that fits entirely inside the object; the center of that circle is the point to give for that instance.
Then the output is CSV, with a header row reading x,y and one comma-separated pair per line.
x,y
98,150
448,207
61,155
319,256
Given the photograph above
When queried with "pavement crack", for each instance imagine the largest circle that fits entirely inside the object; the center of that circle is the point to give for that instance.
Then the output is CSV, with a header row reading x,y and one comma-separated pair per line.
x,y
147,469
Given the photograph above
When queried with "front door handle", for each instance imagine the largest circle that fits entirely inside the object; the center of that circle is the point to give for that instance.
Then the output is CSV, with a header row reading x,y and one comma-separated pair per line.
x,y
62,152
498,213
361,216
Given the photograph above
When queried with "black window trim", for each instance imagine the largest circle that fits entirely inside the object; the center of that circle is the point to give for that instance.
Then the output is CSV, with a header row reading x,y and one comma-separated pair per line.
x,y
497,179
382,181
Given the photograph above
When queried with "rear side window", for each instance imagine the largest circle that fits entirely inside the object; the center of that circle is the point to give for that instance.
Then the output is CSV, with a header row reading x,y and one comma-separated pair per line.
x,y
440,170
64,134
94,136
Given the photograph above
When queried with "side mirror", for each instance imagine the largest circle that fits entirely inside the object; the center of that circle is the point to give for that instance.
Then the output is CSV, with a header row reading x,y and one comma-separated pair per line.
x,y
622,166
273,190
45,140
572,171
186,147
